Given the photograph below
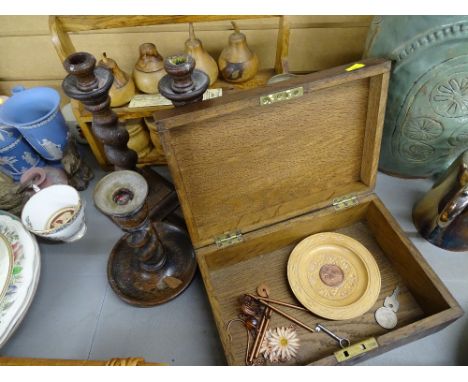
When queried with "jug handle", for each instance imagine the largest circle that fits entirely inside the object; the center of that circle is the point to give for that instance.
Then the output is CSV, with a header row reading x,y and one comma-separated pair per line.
x,y
453,208
14,90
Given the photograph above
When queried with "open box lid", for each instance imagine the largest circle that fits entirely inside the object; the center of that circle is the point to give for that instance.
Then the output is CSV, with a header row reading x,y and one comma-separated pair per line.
x,y
253,158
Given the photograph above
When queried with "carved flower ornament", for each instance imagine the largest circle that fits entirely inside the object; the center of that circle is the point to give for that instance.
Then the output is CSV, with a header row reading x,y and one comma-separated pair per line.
x,y
450,98
423,129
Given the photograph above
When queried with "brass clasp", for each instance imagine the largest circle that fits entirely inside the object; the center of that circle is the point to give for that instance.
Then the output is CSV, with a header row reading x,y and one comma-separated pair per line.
x,y
281,96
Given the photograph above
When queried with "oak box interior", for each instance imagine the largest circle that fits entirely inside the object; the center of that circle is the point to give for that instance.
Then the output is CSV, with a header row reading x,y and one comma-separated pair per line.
x,y
258,171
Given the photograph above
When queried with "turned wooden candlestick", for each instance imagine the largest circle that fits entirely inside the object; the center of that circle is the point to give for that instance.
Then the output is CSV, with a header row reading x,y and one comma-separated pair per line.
x,y
154,262
183,84
90,84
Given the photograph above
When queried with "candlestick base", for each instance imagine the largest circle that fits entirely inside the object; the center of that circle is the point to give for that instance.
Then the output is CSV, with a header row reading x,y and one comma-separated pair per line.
x,y
145,288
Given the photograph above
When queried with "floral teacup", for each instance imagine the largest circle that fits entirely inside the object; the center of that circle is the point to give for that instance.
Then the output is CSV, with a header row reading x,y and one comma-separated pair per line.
x,y
55,213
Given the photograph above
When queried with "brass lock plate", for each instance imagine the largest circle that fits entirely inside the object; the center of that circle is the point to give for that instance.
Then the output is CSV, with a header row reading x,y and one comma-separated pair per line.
x,y
356,349
284,95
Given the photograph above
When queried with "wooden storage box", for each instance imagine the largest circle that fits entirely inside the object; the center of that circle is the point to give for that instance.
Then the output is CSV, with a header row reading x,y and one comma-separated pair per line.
x,y
258,171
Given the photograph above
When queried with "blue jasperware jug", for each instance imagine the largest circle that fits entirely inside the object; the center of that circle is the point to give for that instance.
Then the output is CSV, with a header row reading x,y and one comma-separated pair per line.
x,y
36,114
16,155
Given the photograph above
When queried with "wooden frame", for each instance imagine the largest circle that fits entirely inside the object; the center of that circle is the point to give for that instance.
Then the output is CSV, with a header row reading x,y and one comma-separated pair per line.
x,y
61,26
12,361
286,165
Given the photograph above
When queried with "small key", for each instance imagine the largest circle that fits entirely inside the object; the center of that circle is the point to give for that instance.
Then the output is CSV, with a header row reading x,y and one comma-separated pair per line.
x,y
344,342
392,300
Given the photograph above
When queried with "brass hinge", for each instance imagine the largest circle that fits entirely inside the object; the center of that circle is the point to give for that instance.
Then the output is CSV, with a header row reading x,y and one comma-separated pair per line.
x,y
356,349
344,202
228,238
281,96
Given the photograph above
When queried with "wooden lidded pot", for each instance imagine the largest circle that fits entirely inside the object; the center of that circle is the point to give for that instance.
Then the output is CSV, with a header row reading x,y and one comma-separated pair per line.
x,y
149,69
123,87
203,60
237,62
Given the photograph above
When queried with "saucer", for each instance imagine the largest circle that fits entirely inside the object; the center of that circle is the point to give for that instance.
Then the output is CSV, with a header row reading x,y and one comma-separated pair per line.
x,y
6,264
24,275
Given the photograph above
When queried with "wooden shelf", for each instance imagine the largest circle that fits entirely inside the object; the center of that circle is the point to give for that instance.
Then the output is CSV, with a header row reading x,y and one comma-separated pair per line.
x,y
125,112
61,26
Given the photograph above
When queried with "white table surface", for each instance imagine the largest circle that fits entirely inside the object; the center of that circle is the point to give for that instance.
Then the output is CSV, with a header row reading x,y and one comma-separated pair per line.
x,y
75,314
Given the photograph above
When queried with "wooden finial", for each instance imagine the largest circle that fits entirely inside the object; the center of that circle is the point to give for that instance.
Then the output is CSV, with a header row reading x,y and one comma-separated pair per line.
x,y
236,28
191,32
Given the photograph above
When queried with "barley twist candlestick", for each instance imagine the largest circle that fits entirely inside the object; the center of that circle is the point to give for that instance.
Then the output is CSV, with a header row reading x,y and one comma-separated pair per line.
x,y
90,85
154,262
183,84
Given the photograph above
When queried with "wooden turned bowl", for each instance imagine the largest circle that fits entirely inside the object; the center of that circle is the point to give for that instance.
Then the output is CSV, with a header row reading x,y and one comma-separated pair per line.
x,y
334,276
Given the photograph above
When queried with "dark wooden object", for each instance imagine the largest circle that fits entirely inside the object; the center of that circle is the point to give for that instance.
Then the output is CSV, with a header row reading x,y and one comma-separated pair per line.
x,y
183,84
154,262
78,172
165,263
259,171
90,85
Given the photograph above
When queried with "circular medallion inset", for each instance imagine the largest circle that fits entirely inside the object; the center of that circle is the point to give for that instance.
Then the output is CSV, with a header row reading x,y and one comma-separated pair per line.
x,y
331,275
61,217
334,276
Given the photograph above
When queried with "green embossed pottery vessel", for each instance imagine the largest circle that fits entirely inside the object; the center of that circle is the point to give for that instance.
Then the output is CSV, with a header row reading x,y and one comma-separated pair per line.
x,y
426,122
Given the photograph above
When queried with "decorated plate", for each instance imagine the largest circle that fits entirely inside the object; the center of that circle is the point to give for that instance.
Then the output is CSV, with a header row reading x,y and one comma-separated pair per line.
x,y
6,264
334,276
24,274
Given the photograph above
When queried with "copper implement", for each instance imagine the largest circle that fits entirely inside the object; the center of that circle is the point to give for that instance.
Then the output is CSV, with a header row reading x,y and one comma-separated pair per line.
x,y
262,290
285,315
261,335
278,302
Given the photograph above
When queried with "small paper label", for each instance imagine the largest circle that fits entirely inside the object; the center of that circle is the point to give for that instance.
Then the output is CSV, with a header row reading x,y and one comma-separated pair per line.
x,y
356,66
148,100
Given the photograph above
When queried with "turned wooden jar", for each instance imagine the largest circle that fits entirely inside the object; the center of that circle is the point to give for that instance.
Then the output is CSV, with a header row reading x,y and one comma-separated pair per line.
x,y
149,69
123,87
139,138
